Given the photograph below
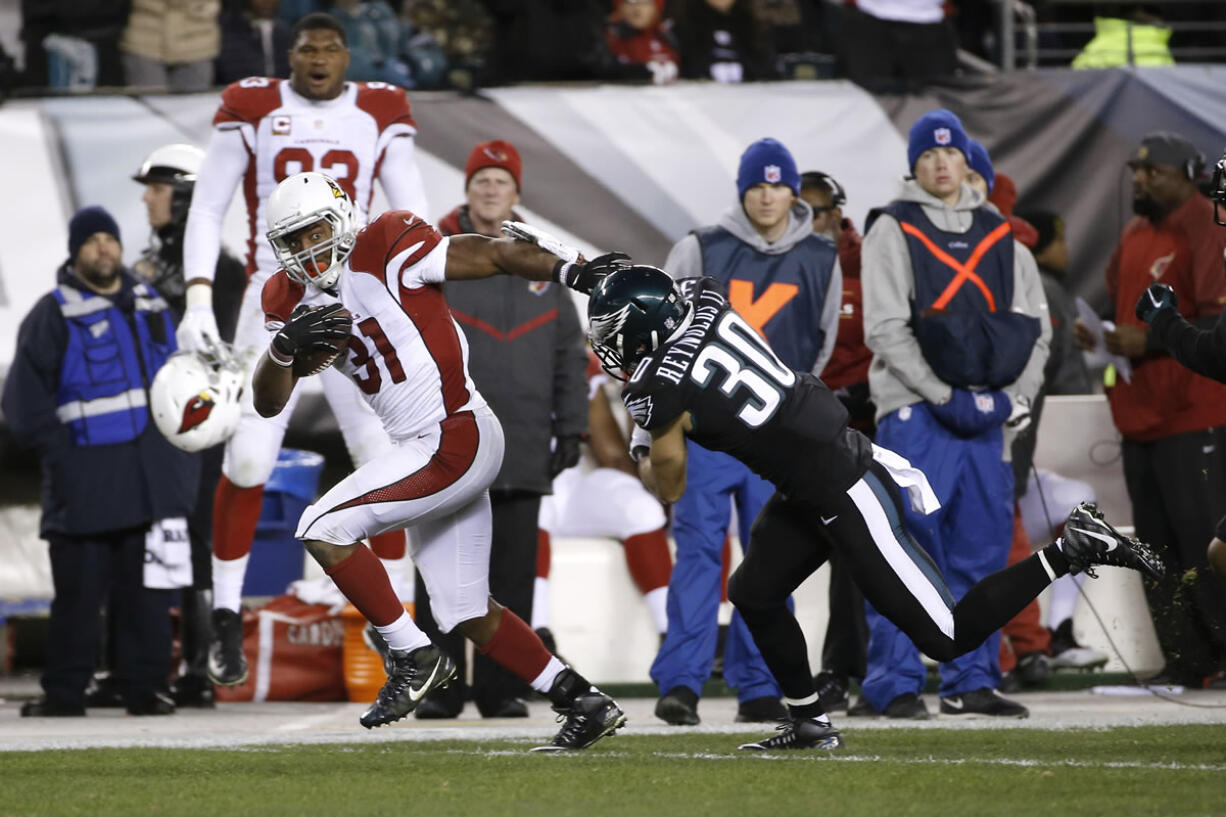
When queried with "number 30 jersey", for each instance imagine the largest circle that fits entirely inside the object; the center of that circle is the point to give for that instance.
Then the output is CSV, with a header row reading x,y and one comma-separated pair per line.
x,y
284,133
785,425
406,354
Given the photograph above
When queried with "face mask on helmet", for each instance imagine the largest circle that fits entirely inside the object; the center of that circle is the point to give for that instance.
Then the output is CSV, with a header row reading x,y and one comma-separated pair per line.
x,y
195,400
631,313
298,202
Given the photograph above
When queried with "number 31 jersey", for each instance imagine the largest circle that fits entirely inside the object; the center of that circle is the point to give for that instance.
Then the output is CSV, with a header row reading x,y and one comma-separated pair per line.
x,y
285,134
785,425
406,354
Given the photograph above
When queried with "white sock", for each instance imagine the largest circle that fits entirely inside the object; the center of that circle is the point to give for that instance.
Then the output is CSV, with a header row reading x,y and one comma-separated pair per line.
x,y
540,603
1064,593
396,573
403,635
544,682
228,582
657,604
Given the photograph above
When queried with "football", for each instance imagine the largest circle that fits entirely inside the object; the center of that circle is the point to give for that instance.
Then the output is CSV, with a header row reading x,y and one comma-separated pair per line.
x,y
315,361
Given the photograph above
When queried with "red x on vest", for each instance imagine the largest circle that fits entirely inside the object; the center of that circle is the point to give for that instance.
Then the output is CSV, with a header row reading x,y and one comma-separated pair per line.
x,y
966,272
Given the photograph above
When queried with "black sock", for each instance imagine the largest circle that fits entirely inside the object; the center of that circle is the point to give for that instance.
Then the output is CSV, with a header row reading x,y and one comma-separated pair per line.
x,y
998,597
813,710
782,644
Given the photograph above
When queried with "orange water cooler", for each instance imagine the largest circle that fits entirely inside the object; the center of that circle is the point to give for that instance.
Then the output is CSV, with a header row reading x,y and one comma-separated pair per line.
x,y
363,667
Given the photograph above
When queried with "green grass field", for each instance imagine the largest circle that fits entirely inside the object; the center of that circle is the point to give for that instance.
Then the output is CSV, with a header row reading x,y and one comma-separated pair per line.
x,y
1167,771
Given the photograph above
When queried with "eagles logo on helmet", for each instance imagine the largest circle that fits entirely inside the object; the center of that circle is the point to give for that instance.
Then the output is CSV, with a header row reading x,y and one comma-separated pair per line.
x,y
195,398
632,312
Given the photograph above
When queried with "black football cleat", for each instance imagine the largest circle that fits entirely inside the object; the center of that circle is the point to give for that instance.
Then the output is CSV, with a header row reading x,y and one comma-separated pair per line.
x,y
227,664
1088,541
587,719
410,677
800,733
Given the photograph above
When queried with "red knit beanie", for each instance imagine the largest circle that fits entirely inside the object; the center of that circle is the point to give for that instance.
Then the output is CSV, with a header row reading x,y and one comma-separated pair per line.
x,y
496,153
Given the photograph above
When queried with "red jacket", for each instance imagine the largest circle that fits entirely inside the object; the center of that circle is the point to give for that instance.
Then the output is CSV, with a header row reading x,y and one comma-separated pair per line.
x,y
1185,251
849,361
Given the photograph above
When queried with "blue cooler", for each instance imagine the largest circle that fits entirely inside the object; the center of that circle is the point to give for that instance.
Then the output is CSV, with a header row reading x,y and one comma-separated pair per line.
x,y
277,558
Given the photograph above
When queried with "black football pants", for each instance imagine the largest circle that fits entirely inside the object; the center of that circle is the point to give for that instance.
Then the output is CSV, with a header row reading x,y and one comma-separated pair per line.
x,y
865,525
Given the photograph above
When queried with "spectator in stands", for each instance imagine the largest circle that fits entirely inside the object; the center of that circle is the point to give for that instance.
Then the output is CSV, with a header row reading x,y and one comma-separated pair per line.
x,y
843,651
642,41
1173,421
785,282
546,40
931,363
372,31
112,484
255,42
897,42
463,30
171,45
722,40
527,359
93,25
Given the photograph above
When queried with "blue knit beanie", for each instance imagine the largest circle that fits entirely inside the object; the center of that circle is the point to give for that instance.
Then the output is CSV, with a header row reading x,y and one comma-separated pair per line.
x,y
85,222
939,128
981,163
767,160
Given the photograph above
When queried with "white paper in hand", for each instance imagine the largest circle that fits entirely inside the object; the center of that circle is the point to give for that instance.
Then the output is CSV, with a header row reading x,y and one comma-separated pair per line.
x,y
533,235
1099,356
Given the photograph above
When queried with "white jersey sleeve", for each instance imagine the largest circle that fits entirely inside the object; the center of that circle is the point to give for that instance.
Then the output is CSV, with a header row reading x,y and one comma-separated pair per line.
x,y
224,163
401,177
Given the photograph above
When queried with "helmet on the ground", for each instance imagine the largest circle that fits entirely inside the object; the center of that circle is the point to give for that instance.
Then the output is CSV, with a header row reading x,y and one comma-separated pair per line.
x,y
195,399
176,165
631,313
300,201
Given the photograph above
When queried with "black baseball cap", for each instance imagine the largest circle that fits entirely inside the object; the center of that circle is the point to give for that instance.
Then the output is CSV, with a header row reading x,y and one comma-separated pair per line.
x,y
1167,148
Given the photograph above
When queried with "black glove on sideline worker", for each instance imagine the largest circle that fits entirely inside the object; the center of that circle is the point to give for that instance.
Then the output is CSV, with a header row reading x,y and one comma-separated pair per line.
x,y
565,454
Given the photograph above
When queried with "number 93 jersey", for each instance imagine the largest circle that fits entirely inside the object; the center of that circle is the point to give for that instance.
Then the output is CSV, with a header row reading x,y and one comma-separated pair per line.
x,y
285,134
785,425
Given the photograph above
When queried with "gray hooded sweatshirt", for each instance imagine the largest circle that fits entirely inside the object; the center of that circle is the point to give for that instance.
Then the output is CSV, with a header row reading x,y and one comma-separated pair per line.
x,y
685,261
899,375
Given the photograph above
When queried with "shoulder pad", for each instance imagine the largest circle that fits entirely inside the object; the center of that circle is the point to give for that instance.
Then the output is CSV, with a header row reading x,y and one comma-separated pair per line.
x,y
248,100
387,103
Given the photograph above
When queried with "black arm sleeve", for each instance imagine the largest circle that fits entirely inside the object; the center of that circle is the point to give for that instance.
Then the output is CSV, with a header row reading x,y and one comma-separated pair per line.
x,y
1201,350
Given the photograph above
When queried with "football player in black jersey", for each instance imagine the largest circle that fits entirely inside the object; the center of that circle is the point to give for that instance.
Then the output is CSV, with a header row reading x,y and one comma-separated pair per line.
x,y
696,369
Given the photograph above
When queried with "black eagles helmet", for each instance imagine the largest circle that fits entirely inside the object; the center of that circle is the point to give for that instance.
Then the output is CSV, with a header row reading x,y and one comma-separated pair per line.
x,y
631,312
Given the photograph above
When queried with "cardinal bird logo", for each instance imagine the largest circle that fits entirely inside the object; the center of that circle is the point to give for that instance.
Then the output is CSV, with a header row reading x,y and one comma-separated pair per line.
x,y
197,411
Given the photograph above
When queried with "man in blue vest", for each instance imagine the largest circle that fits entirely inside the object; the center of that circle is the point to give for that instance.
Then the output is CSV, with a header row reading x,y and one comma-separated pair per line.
x,y
78,393
786,282
955,315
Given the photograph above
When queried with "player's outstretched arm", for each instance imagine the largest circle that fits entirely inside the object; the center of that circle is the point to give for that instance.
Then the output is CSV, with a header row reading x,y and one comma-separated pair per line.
x,y
663,472
471,256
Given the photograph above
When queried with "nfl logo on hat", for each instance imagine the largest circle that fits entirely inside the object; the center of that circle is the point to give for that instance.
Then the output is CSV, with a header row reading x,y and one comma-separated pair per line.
x,y
773,173
942,136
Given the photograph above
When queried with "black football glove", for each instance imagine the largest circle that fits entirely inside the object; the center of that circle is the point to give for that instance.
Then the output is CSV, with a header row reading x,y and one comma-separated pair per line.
x,y
583,276
313,328
565,454
1156,298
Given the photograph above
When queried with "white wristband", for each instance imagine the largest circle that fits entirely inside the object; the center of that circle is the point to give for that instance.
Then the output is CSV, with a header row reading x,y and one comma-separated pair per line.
x,y
640,442
198,294
276,358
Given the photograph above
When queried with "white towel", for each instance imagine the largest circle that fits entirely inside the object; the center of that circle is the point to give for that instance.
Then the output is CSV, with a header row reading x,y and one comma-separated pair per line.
x,y
919,493
168,555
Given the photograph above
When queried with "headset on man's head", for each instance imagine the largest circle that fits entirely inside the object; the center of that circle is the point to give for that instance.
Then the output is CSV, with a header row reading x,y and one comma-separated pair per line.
x,y
816,178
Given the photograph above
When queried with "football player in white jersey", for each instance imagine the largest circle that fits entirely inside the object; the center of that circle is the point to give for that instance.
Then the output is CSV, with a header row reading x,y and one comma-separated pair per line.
x,y
387,326
264,131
